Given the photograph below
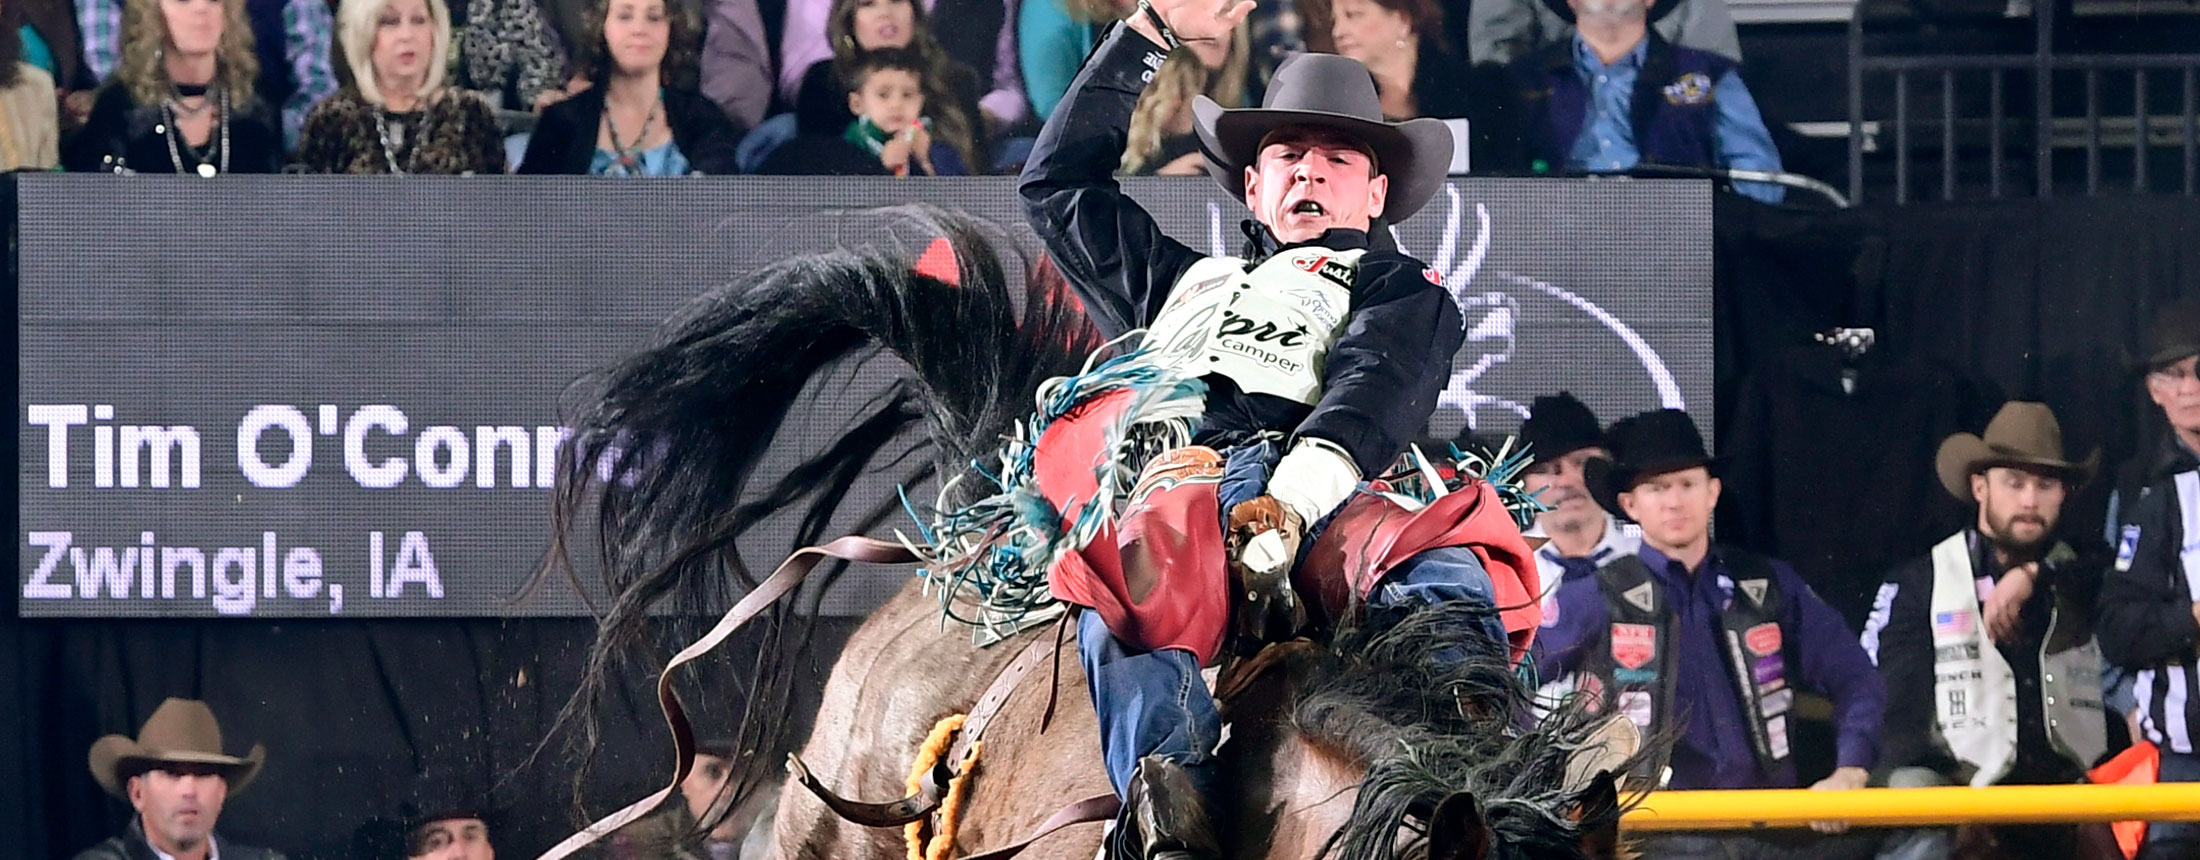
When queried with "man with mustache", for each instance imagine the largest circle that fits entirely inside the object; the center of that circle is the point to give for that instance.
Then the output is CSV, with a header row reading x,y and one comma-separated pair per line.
x,y
1617,95
1295,372
1986,643
1709,644
177,777
1563,436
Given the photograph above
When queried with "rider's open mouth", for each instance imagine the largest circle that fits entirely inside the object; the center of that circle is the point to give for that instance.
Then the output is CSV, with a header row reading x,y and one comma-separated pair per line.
x,y
1308,207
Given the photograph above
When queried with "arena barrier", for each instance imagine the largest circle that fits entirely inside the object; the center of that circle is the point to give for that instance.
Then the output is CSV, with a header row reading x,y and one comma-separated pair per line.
x,y
1909,807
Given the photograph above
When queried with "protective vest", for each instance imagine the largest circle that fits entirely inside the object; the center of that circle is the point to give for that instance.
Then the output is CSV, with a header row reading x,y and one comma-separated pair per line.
x,y
1975,694
1635,668
1269,329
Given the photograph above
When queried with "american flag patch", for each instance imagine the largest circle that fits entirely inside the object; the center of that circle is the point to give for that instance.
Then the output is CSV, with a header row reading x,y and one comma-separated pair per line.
x,y
1956,623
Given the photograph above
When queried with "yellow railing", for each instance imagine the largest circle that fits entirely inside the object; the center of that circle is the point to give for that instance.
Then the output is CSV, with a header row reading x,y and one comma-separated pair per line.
x,y
1909,807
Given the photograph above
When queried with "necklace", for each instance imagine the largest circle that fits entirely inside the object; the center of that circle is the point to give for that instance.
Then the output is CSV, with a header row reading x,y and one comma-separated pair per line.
x,y
220,140
389,150
629,157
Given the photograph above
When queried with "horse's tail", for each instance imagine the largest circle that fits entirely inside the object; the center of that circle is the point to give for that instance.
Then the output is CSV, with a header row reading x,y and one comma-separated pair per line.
x,y
667,441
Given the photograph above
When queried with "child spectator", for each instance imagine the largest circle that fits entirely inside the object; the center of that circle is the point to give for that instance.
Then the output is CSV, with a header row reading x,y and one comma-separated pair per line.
x,y
886,93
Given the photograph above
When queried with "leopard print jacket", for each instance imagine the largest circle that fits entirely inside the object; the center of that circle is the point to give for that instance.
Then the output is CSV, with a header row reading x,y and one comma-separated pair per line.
x,y
458,133
508,52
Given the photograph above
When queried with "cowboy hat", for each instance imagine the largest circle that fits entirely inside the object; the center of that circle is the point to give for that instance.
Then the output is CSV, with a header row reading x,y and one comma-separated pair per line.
x,y
180,731
1558,425
2021,434
1333,92
1658,9
2174,335
1644,447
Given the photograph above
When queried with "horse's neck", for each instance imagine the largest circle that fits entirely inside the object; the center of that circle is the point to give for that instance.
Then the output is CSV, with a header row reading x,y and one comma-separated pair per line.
x,y
1294,796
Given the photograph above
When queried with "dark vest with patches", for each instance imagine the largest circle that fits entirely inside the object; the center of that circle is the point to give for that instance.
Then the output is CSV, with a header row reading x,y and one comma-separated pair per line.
x,y
1634,661
1672,111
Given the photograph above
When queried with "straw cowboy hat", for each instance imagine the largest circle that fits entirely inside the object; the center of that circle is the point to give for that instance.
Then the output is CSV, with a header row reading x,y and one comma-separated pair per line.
x,y
2021,434
180,731
1334,92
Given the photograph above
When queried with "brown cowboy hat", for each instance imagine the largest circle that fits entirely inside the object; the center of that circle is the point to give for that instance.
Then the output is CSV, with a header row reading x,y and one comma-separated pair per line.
x,y
1333,92
2021,434
180,731
2173,335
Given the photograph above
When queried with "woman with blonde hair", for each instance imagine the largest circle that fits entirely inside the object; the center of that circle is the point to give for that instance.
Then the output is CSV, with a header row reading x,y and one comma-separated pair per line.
x,y
181,100
397,116
1161,142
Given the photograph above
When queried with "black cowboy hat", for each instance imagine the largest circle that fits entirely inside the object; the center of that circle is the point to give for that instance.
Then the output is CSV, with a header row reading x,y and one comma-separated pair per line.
x,y
1558,425
1334,92
1658,9
2174,335
1644,447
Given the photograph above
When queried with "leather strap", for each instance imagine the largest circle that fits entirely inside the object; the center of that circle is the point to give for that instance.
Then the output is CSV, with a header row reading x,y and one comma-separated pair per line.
x,y
996,695
1099,807
782,581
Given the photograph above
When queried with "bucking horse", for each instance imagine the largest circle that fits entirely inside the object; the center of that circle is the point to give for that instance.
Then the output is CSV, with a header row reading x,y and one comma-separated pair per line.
x,y
1392,735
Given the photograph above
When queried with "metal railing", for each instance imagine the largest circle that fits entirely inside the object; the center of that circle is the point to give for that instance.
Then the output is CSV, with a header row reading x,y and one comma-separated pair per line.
x,y
1911,807
2143,132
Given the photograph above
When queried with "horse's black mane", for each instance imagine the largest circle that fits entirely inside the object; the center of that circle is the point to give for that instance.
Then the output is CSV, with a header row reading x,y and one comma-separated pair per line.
x,y
1433,707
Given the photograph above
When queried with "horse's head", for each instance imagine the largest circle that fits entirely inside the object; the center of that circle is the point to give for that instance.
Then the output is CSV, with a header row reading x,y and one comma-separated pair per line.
x,y
1409,740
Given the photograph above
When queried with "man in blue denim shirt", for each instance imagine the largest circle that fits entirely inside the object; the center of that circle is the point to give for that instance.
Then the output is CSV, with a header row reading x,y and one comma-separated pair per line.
x,y
1618,95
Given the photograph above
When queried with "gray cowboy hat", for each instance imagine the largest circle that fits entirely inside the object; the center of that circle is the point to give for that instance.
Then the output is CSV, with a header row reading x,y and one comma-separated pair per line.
x,y
1334,92
2173,336
2021,434
180,731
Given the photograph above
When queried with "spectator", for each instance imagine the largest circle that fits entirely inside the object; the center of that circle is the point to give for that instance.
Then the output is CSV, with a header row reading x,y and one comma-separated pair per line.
x,y
738,63
981,34
1161,141
177,777
181,99
511,55
2023,708
1563,436
2169,368
859,27
1418,75
1707,642
1052,39
742,833
1501,31
886,93
445,816
451,834
397,117
291,39
51,42
641,115
1579,99
30,130
2150,599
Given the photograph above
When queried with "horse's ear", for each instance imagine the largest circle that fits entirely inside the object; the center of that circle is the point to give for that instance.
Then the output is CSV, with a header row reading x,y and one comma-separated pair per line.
x,y
1598,806
1456,831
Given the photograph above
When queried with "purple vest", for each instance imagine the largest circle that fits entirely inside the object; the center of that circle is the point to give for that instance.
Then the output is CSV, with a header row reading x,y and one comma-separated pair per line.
x,y
1672,110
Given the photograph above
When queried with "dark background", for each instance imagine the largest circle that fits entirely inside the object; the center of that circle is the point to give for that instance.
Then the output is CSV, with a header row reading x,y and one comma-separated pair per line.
x,y
2023,299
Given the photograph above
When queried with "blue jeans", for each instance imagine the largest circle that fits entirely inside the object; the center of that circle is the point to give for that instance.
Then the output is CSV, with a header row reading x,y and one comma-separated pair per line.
x,y
1156,703
2174,839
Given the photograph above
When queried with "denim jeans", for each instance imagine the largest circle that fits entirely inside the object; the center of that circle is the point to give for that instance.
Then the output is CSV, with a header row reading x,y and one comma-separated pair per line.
x,y
2174,839
1156,703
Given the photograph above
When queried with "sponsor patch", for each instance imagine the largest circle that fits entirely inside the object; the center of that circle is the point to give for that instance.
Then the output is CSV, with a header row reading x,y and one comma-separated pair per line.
x,y
1634,645
1693,88
1763,639
1309,262
1768,669
1642,597
1956,623
1433,276
1755,588
2127,548
1637,706
1777,703
1776,737
1336,272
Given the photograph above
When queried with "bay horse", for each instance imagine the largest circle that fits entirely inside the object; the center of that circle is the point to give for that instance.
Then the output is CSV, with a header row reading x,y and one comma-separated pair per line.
x,y
1395,738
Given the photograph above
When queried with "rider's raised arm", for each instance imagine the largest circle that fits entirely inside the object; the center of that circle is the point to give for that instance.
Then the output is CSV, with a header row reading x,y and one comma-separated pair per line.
x,y
1108,247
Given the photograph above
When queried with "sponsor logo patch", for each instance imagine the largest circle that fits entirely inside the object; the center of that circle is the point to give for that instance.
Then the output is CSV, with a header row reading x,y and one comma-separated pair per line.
x,y
2127,548
1634,645
1637,706
1763,639
1693,88
1433,276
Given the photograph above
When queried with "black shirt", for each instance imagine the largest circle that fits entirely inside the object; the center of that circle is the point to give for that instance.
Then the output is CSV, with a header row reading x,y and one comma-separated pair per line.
x,y
122,134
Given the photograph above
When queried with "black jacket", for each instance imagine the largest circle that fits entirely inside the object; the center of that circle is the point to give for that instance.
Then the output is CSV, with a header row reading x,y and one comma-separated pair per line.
x,y
565,137
122,133
1383,372
2146,619
131,845
1904,652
